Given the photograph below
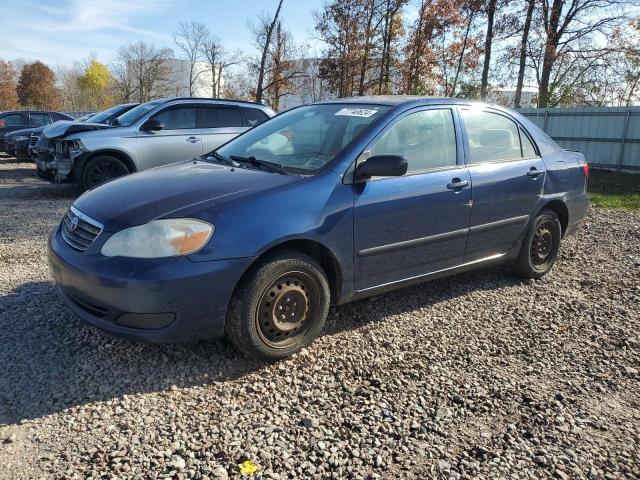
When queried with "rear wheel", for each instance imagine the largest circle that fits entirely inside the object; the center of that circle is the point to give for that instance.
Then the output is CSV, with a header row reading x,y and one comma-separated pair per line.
x,y
540,246
102,169
279,308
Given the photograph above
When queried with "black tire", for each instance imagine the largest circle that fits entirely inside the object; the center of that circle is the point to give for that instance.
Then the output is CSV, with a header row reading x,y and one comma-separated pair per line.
x,y
102,169
286,283
540,246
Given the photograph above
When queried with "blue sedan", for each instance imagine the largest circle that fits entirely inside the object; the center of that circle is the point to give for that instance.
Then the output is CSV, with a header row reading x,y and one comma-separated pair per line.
x,y
323,204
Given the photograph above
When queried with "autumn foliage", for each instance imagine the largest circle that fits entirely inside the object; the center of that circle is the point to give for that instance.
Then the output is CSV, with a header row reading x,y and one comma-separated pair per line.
x,y
8,95
36,87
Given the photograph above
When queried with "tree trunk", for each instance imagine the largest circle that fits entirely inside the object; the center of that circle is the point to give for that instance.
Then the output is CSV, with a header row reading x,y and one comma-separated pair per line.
x,y
523,53
265,51
464,47
550,51
484,84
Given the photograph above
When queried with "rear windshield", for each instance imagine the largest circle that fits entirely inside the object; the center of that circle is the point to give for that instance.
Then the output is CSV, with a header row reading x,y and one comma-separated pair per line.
x,y
135,114
304,139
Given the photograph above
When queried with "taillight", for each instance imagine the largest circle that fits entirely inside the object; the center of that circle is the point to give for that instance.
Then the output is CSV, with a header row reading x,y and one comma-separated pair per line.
x,y
586,169
1,123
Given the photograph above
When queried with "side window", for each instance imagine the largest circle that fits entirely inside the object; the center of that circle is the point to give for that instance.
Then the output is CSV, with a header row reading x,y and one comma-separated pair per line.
x,y
14,120
492,137
217,117
39,119
527,147
180,118
427,139
253,116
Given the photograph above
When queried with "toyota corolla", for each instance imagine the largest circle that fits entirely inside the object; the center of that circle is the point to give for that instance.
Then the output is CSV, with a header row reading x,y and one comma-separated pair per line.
x,y
321,205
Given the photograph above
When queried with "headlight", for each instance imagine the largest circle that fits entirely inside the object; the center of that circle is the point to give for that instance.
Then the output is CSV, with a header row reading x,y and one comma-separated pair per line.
x,y
160,238
20,138
75,147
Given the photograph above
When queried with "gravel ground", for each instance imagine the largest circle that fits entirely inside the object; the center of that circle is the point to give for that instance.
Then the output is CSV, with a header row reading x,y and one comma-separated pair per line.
x,y
478,376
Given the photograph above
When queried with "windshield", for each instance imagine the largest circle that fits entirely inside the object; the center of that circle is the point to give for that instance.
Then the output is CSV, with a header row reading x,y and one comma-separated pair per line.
x,y
132,116
304,139
104,116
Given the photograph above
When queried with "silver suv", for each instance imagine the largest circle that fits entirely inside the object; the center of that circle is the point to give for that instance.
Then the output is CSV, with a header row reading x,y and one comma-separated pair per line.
x,y
151,134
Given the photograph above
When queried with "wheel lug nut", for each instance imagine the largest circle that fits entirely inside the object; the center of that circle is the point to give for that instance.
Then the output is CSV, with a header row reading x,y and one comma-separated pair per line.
x,y
279,307
282,317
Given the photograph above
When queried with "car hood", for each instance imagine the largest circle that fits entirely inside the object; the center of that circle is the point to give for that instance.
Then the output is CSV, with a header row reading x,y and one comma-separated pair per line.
x,y
63,128
139,198
24,131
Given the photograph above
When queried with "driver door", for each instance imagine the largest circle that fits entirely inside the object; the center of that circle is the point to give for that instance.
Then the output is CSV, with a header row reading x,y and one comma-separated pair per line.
x,y
415,224
179,140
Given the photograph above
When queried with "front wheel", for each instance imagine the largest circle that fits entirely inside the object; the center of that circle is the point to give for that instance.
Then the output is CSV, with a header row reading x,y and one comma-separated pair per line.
x,y
540,246
279,307
102,169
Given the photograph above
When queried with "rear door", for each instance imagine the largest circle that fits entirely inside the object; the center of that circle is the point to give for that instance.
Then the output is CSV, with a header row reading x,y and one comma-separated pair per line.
x,y
180,139
507,175
12,121
219,124
415,224
39,119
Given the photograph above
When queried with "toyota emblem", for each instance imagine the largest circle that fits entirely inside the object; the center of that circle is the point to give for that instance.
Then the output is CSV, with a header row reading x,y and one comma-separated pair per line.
x,y
73,224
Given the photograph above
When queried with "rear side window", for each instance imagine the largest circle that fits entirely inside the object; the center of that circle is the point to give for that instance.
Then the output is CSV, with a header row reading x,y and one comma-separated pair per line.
x,y
253,116
427,139
180,118
39,119
527,147
220,117
14,120
492,137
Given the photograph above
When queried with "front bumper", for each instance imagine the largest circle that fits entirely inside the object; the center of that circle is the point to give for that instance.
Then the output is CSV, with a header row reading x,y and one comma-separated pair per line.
x,y
151,300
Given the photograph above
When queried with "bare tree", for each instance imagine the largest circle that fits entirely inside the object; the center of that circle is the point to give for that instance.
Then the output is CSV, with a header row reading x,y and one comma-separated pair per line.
x,y
190,38
219,59
566,23
392,29
142,71
490,10
264,32
522,65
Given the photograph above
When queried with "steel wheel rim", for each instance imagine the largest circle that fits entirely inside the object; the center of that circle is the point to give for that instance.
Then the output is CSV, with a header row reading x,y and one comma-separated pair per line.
x,y
287,309
542,244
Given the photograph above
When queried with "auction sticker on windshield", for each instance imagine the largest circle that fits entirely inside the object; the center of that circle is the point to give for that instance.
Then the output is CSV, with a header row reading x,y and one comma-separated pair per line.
x,y
356,112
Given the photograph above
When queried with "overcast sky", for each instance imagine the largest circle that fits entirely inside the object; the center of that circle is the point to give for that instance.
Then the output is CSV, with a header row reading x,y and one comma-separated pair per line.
x,y
60,31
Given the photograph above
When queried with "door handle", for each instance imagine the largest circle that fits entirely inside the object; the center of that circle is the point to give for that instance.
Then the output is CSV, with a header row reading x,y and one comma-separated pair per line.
x,y
192,139
534,173
456,184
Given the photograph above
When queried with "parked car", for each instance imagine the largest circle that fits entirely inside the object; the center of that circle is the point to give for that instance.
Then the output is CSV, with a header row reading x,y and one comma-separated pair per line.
x,y
365,195
11,121
152,134
46,152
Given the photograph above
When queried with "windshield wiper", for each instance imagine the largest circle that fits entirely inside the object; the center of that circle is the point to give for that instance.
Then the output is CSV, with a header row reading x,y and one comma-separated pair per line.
x,y
217,156
256,162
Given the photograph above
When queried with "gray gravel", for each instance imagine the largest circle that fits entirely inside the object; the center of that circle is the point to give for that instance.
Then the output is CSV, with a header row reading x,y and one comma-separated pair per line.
x,y
477,376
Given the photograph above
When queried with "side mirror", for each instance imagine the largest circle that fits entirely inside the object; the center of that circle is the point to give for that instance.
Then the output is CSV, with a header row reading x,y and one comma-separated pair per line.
x,y
382,166
153,125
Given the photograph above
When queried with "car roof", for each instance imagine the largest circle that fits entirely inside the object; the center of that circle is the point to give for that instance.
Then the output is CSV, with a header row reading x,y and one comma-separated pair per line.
x,y
222,101
394,100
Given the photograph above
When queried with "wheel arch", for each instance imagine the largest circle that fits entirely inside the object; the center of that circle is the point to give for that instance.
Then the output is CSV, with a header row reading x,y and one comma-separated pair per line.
x,y
316,250
559,207
120,155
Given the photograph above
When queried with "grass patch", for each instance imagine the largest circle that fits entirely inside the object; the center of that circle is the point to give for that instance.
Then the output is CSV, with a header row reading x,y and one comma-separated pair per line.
x,y
620,191
618,202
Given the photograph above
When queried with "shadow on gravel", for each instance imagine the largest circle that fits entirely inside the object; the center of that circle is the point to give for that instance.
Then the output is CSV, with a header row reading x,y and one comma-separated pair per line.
x,y
50,360
21,181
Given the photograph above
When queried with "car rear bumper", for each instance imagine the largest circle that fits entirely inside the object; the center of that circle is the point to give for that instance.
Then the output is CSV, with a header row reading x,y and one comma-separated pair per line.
x,y
152,300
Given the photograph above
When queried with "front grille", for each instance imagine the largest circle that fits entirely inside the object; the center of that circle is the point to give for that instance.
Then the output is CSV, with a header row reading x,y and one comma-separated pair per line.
x,y
78,230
